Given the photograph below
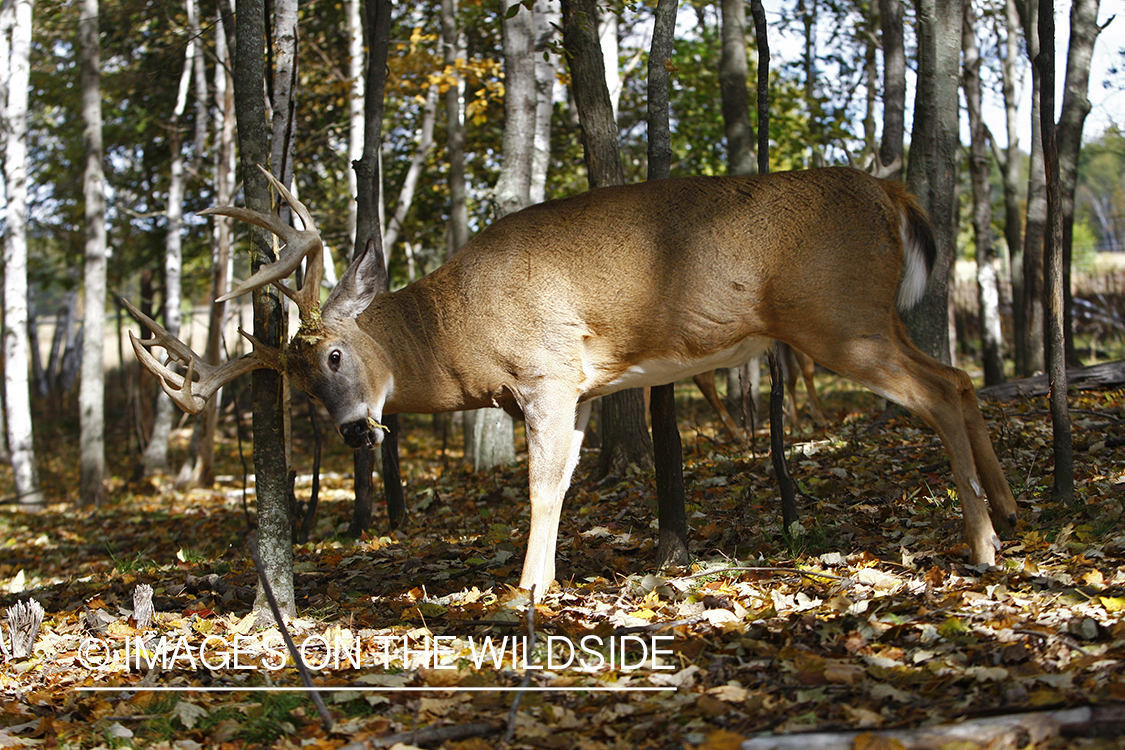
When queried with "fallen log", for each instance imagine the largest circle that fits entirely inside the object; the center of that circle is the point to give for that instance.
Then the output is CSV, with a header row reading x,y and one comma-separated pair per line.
x,y
1012,732
1107,375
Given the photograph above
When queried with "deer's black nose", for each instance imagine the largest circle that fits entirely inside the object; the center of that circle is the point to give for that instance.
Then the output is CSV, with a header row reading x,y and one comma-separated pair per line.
x,y
359,434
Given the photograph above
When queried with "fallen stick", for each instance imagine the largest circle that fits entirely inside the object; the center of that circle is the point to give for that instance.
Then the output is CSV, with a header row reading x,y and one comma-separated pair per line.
x,y
1012,732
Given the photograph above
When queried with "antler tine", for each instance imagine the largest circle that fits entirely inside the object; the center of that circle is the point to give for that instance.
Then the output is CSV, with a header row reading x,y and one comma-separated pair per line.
x,y
299,243
177,349
187,393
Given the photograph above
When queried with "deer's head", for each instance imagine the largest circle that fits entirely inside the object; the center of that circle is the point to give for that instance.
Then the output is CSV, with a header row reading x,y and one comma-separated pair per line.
x,y
330,357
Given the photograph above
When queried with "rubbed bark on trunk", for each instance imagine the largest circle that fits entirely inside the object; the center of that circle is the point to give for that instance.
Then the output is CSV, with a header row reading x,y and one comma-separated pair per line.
x,y
622,429
987,289
934,156
91,393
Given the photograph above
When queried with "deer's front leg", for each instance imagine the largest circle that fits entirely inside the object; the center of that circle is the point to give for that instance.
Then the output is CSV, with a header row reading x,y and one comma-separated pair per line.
x,y
554,436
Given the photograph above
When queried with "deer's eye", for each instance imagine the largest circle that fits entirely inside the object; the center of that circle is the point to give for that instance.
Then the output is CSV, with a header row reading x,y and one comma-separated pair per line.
x,y
334,359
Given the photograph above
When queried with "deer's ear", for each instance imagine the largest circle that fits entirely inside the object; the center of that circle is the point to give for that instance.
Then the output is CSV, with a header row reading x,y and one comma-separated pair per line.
x,y
365,278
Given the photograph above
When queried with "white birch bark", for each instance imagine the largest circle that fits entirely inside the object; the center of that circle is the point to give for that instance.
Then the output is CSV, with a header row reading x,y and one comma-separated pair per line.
x,y
156,453
91,392
414,173
355,111
548,18
17,395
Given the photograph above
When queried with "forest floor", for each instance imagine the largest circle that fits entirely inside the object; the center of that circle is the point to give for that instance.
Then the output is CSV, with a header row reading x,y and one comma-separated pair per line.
x,y
870,619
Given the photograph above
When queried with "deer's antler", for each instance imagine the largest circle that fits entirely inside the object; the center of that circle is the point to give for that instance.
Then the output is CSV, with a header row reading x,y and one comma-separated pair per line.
x,y
187,392
299,243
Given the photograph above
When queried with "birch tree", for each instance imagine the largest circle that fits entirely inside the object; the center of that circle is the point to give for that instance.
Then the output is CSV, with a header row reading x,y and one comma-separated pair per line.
x,y
453,46
17,15
353,20
91,395
198,469
493,440
1010,159
155,459
987,289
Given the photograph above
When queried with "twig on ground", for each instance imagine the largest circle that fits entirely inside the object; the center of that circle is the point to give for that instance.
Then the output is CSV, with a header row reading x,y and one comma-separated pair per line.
x,y
431,735
306,678
527,671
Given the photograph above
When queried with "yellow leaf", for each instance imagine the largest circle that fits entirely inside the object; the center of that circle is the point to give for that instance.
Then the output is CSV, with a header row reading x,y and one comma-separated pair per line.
x,y
1112,603
644,614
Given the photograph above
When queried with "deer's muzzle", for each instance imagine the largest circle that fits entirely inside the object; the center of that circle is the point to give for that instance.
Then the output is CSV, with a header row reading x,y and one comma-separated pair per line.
x,y
360,434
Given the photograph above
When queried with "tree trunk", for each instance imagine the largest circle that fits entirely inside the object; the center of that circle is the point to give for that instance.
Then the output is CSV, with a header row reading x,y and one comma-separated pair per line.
x,y
17,395
733,70
274,539
869,39
91,396
1084,32
1053,253
369,229
454,44
934,156
608,23
1009,158
414,173
1029,339
624,435
741,158
198,469
894,88
493,437
352,12
667,449
548,17
155,457
987,289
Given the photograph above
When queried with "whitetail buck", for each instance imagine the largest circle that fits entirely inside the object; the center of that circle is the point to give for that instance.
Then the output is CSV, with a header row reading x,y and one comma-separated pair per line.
x,y
569,300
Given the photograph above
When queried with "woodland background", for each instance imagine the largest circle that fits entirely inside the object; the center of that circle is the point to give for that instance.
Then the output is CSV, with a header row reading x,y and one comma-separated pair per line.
x,y
906,634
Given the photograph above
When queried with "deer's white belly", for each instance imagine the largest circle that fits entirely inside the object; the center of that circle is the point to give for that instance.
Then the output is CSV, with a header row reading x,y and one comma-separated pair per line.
x,y
661,371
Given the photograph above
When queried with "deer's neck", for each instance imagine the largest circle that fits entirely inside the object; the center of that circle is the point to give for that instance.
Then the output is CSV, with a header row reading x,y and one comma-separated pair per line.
x,y
420,331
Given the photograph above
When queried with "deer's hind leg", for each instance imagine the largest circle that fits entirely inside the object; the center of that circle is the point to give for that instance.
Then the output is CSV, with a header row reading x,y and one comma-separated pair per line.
x,y
944,397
